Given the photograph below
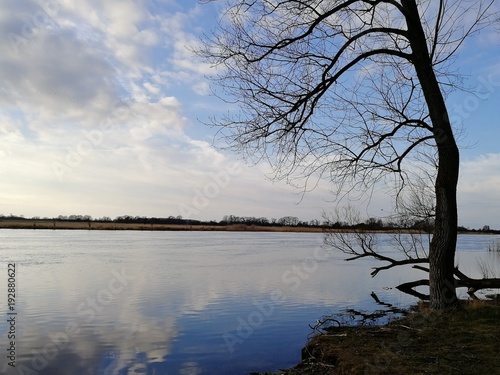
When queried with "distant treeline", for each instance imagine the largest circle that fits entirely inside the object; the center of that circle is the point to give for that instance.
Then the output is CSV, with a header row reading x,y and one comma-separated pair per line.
x,y
292,221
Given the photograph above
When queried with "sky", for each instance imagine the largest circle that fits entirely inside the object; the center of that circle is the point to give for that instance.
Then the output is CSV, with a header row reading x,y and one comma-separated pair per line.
x,y
102,112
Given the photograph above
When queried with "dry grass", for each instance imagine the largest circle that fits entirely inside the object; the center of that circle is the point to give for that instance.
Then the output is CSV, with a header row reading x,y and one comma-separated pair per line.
x,y
54,224
494,246
465,341
92,225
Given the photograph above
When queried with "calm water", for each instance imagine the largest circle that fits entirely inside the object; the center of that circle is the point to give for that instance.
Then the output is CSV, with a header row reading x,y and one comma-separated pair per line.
x,y
91,302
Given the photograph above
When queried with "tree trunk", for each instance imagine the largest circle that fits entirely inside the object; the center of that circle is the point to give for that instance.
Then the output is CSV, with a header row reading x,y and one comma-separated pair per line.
x,y
443,244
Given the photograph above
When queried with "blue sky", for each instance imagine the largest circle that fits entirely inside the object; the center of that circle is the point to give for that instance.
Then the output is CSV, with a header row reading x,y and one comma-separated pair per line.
x,y
101,111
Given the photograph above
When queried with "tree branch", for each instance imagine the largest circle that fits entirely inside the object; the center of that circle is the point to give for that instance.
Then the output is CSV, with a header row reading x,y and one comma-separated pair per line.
x,y
408,288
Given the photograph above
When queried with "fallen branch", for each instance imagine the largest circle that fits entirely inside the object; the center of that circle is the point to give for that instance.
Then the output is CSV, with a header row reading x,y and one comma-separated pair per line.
x,y
463,281
408,288
395,263
320,325
363,245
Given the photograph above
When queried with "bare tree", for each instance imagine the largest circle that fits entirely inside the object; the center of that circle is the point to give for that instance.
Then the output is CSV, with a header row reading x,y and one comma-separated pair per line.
x,y
349,89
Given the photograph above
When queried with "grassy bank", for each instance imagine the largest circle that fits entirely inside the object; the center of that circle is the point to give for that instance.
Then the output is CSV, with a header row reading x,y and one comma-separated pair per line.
x,y
112,225
466,341
96,225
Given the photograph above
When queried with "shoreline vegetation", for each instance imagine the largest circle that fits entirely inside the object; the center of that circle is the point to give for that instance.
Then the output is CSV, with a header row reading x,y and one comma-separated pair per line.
x,y
425,341
229,223
99,225
112,225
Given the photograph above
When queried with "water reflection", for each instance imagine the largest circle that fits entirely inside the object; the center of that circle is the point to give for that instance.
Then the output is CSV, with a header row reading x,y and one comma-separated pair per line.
x,y
167,302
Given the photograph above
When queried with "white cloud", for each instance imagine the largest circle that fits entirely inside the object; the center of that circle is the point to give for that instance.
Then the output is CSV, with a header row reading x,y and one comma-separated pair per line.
x,y
126,66
201,88
478,193
91,67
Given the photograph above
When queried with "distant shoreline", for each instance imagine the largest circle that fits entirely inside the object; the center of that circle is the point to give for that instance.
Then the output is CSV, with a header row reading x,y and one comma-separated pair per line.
x,y
111,225
99,225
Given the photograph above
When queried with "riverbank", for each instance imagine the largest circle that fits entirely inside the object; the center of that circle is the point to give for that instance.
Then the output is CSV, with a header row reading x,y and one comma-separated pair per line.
x,y
111,225
179,224
465,341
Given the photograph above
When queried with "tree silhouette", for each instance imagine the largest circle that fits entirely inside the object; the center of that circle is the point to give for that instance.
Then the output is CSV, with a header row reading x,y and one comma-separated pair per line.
x,y
352,89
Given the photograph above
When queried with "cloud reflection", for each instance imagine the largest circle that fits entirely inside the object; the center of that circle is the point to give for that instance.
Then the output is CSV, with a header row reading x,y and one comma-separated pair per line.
x,y
185,291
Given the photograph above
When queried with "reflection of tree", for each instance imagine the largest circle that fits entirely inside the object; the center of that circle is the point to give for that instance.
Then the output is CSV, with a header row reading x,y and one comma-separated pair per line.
x,y
328,324
358,244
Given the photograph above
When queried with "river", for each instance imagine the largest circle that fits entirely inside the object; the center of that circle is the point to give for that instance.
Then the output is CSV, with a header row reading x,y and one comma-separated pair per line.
x,y
190,303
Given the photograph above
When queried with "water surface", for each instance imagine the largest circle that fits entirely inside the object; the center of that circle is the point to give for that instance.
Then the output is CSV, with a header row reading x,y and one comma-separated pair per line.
x,y
104,302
